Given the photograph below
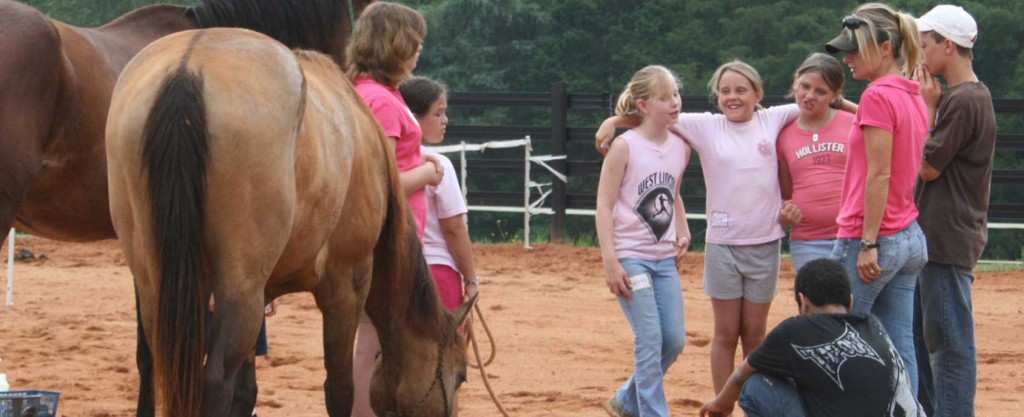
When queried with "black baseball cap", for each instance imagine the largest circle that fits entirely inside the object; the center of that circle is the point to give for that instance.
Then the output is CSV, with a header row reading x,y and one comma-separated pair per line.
x,y
847,39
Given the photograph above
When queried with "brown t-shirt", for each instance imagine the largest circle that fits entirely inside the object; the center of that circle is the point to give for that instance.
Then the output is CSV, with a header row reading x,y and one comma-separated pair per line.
x,y
954,207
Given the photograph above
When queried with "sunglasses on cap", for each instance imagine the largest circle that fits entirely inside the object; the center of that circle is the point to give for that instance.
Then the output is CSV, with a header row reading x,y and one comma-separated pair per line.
x,y
853,22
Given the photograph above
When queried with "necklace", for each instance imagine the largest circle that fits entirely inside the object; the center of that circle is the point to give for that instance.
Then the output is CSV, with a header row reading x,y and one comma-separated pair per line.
x,y
817,126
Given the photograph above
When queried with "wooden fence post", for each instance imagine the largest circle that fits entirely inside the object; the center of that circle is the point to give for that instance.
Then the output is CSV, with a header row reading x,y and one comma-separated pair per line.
x,y
559,137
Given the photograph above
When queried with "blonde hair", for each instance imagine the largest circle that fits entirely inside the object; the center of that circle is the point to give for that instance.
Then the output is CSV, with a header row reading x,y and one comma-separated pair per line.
x,y
741,68
653,81
886,24
385,36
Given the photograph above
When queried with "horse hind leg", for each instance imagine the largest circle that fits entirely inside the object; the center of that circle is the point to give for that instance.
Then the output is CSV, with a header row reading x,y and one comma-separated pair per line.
x,y
245,391
229,369
340,297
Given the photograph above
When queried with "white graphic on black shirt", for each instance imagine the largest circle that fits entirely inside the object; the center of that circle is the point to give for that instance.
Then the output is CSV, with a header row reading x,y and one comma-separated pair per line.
x,y
831,356
903,402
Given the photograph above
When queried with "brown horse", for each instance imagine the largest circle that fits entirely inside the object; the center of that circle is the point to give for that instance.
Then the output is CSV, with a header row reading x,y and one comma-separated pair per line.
x,y
242,169
55,86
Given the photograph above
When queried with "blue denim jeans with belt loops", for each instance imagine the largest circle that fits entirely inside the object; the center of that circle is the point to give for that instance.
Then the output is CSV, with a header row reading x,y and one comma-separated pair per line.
x,y
659,333
947,357
901,257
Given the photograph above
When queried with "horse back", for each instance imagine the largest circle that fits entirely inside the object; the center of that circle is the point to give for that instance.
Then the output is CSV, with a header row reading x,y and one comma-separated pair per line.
x,y
253,90
30,67
72,70
341,176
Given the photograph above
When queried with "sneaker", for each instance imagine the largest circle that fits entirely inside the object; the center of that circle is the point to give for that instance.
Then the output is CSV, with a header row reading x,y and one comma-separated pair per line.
x,y
615,408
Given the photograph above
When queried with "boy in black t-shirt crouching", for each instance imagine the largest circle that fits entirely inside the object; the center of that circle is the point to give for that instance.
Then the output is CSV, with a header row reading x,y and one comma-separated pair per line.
x,y
823,362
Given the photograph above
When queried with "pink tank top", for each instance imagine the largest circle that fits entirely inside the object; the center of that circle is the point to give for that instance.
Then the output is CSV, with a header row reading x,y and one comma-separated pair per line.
x,y
644,217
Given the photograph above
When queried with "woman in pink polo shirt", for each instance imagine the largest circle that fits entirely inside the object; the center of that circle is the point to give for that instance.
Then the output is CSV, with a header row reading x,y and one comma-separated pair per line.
x,y
879,240
381,53
812,159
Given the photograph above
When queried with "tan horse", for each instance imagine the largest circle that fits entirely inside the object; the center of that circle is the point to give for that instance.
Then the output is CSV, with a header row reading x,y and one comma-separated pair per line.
x,y
55,85
240,168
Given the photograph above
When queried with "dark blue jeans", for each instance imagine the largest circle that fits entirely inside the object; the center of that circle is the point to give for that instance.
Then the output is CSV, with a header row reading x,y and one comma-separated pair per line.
x,y
947,358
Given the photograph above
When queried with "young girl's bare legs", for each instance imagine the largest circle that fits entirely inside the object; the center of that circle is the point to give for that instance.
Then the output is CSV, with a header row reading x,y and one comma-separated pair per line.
x,y
367,347
754,320
728,316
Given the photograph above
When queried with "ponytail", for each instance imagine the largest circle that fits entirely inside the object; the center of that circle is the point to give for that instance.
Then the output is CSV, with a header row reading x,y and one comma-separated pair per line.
x,y
626,106
911,45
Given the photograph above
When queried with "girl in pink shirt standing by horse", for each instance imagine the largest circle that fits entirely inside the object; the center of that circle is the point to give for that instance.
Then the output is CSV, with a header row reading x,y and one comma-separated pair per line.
x,y
641,225
384,49
737,152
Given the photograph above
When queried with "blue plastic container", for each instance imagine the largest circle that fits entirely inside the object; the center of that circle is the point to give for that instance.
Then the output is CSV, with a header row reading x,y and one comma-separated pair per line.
x,y
28,403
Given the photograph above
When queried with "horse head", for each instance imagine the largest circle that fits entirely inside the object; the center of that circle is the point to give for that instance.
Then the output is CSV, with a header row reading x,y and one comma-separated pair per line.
x,y
421,378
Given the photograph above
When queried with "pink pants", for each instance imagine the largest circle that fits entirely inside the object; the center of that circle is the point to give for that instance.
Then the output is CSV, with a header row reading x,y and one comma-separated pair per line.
x,y
449,285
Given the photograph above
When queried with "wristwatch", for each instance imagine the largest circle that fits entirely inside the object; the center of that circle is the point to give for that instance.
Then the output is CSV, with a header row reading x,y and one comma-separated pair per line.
x,y
866,246
474,281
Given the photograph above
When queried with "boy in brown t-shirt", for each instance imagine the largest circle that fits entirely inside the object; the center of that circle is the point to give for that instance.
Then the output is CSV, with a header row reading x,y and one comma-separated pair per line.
x,y
953,204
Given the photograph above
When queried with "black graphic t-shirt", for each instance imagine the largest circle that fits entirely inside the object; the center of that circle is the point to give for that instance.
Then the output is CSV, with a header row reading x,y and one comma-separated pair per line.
x,y
843,365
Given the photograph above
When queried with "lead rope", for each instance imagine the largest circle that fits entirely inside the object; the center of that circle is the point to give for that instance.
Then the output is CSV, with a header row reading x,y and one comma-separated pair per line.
x,y
482,364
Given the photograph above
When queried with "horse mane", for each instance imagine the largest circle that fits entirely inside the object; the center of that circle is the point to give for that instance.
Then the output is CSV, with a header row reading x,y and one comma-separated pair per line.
x,y
306,24
424,306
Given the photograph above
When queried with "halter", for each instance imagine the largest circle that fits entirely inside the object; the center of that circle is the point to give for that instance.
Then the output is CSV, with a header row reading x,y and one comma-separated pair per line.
x,y
438,377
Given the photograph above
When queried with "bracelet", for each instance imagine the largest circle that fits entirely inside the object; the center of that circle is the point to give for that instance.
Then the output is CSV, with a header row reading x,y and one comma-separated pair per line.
x,y
866,246
474,281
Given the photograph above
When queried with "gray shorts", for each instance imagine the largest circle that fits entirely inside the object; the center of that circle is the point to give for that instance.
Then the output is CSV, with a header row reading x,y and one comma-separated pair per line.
x,y
748,271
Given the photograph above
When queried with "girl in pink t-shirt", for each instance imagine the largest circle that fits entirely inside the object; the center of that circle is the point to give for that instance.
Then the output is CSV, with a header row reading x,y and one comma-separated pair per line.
x,y
641,226
812,159
737,153
382,52
879,240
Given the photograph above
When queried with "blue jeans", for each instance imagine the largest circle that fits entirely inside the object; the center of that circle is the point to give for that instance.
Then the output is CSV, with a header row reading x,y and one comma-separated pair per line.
x,y
768,396
901,256
804,251
947,358
659,334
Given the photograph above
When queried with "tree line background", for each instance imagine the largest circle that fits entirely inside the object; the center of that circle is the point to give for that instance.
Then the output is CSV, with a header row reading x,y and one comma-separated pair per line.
x,y
596,45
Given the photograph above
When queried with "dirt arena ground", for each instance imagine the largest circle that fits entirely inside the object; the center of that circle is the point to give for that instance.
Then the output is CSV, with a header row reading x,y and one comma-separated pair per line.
x,y
563,343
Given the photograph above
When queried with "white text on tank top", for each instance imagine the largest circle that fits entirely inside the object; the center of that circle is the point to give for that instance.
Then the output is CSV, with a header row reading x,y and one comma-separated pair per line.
x,y
644,214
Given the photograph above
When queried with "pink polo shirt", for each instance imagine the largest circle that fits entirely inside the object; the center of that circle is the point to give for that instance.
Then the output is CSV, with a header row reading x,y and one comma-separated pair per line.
x,y
394,116
894,104
817,164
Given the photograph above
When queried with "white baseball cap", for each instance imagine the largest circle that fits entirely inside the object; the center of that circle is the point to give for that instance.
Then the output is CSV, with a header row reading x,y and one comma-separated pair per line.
x,y
952,22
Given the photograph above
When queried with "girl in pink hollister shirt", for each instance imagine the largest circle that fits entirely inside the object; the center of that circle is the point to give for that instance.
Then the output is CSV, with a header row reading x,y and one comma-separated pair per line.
x,y
737,152
641,225
812,158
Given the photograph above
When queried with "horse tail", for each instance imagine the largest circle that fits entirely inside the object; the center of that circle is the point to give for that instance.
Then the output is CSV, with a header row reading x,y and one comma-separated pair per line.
x,y
175,155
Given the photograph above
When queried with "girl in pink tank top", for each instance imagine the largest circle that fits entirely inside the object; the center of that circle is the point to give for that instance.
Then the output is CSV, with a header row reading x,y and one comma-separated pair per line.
x,y
641,226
